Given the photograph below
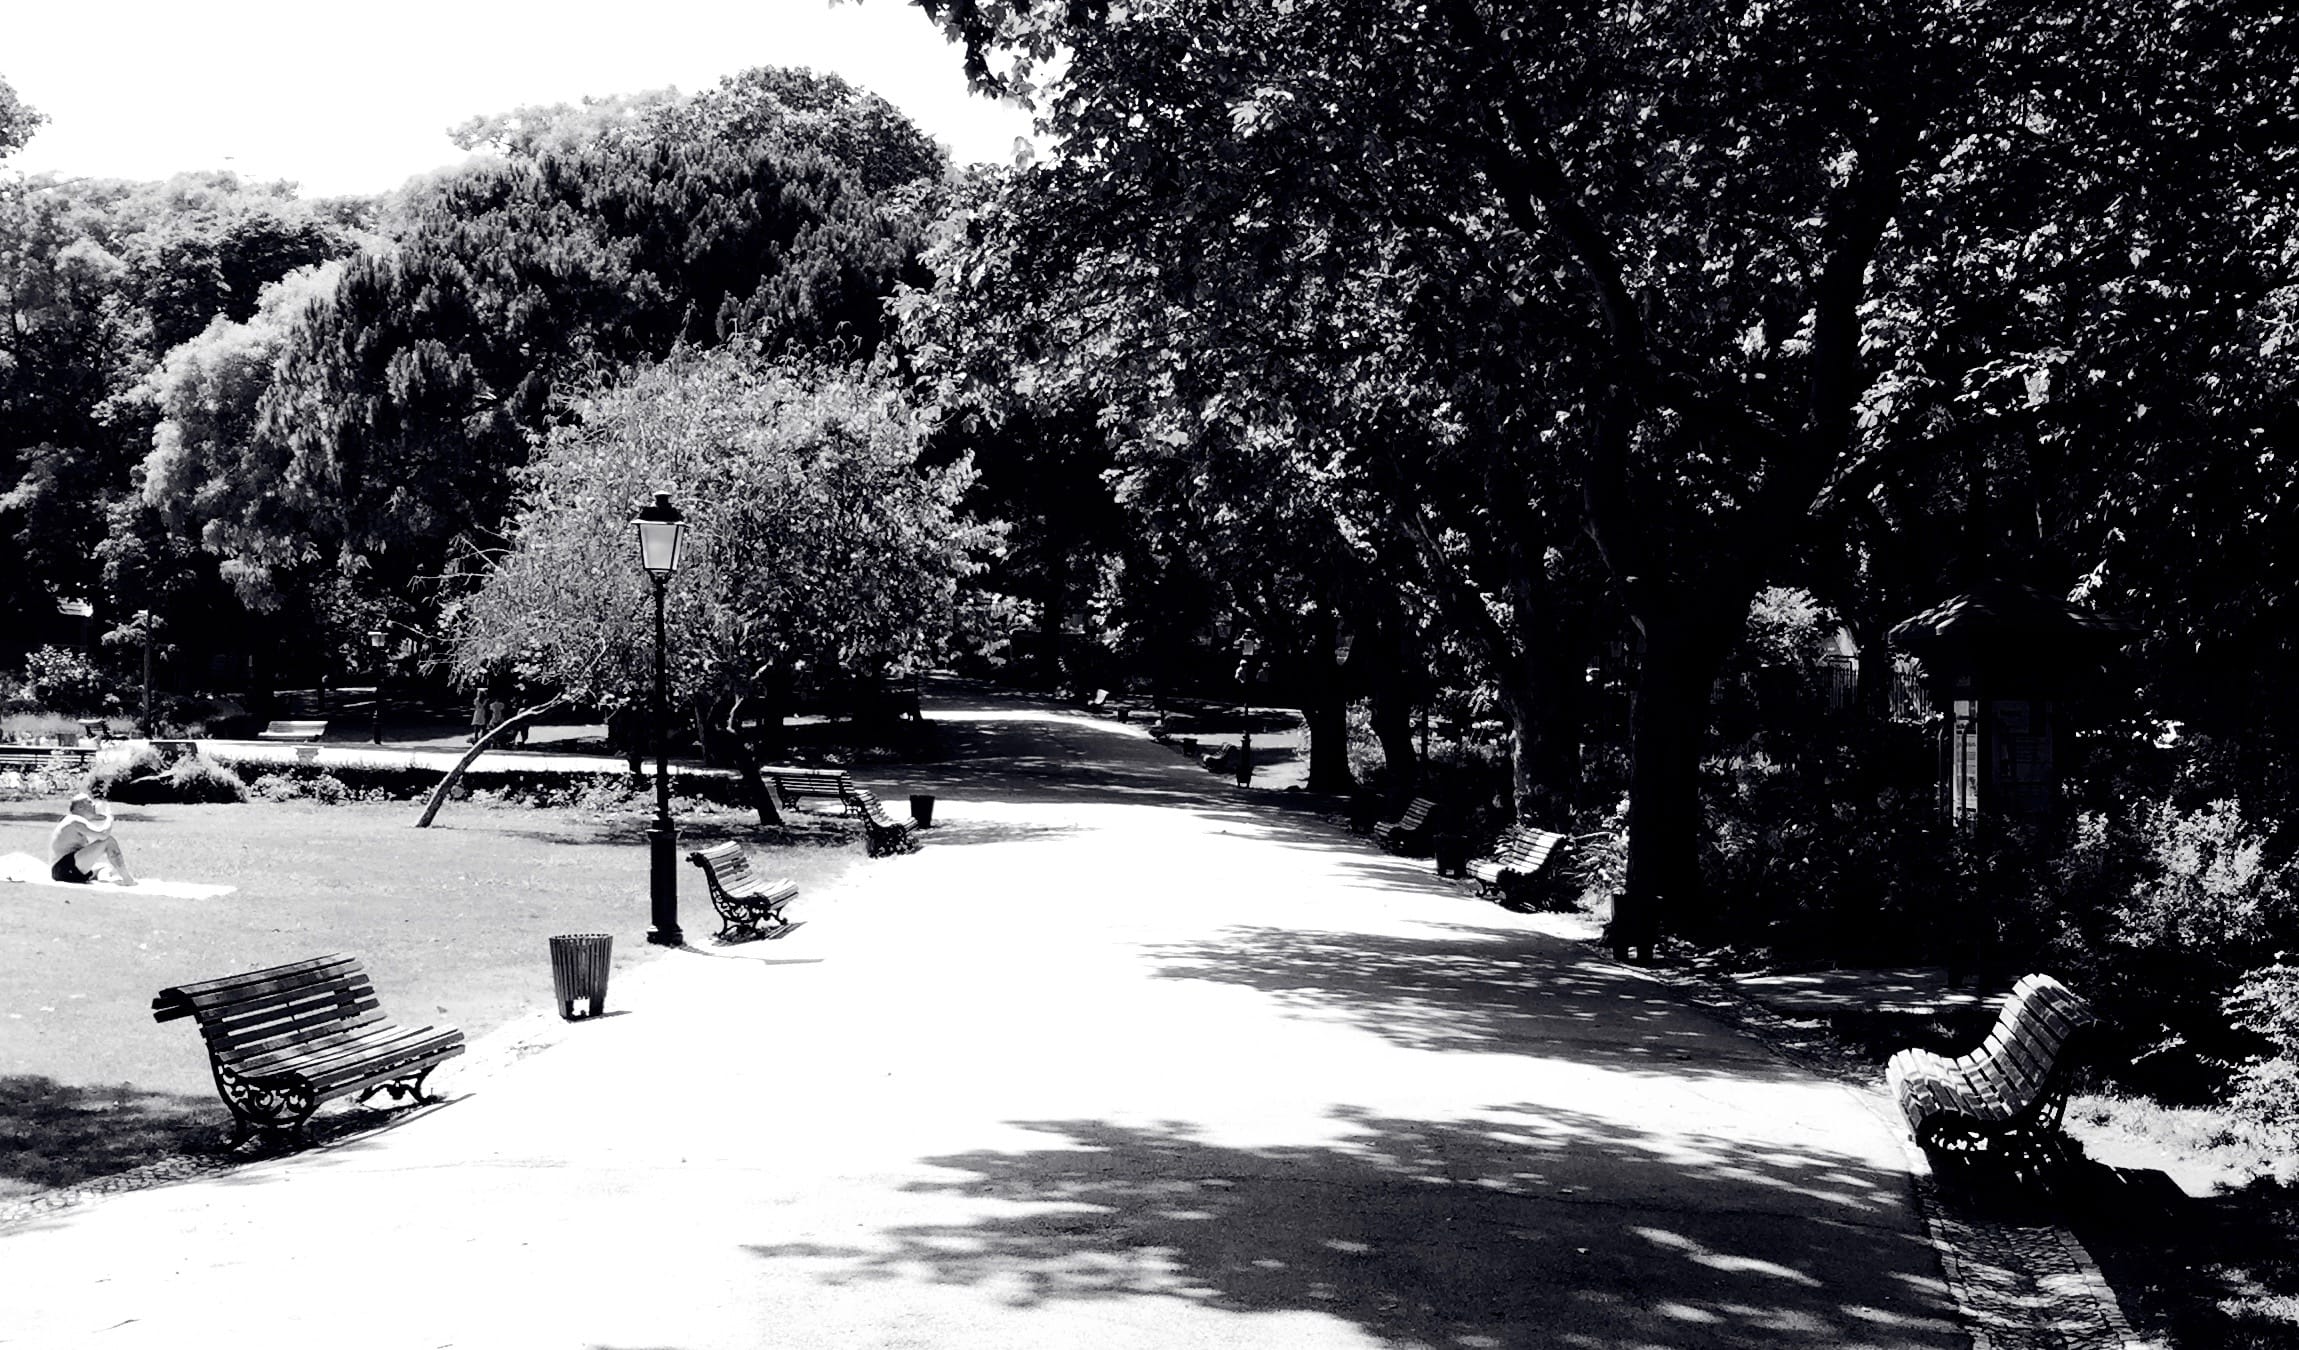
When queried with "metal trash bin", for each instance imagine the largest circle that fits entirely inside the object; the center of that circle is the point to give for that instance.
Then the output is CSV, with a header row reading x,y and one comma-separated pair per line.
x,y
1189,746
922,809
1452,853
579,964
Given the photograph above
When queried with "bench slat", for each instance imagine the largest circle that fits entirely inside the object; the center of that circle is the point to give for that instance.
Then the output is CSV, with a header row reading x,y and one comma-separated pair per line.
x,y
254,1034
316,1058
185,1000
383,1057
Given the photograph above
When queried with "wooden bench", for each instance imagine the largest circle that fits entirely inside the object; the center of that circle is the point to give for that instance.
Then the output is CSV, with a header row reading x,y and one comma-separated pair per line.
x,y
292,731
881,833
284,1039
51,759
1408,832
749,906
95,730
2004,1100
791,785
1520,861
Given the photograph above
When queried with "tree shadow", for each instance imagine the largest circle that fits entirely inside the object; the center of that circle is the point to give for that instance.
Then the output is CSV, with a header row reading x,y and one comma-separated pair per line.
x,y
946,833
2218,1270
61,1142
55,1135
1542,1227
1477,989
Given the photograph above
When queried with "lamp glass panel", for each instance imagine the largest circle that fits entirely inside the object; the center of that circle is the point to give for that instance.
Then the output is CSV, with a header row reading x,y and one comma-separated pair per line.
x,y
660,544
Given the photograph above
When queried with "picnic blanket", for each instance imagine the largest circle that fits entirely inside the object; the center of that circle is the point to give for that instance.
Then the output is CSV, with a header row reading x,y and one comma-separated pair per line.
x,y
30,871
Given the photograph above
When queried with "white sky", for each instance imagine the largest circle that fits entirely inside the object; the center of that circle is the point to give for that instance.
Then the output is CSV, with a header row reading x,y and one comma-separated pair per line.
x,y
356,99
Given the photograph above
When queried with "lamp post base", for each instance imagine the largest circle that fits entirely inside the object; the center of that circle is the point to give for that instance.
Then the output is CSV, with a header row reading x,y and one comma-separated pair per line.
x,y
663,884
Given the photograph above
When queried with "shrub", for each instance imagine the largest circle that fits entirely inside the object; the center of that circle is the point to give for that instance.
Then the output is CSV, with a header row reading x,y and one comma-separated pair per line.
x,y
119,779
2266,1004
276,787
327,789
2165,912
62,680
1805,870
198,779
147,776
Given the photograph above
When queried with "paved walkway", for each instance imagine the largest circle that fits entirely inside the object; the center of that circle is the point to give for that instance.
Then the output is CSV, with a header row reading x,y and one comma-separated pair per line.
x,y
1118,1059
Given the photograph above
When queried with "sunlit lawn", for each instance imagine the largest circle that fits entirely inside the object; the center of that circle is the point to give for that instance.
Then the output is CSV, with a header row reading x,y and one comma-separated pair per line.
x,y
452,922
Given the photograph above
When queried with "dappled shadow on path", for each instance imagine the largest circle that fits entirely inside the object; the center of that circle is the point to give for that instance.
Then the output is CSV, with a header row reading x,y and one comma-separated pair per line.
x,y
1549,1228
1476,989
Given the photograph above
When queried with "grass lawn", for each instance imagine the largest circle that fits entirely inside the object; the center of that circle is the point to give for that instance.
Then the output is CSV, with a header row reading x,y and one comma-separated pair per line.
x,y
451,922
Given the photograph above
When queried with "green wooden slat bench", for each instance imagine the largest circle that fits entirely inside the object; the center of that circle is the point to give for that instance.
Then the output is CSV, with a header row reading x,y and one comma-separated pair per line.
x,y
284,1039
1521,860
292,731
749,906
790,786
1409,832
881,833
2003,1101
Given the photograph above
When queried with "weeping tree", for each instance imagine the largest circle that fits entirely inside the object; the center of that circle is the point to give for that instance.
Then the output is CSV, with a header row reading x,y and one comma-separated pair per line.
x,y
819,536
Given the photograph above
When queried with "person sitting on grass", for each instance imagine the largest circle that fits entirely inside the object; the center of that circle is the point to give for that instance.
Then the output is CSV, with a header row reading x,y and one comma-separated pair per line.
x,y
84,846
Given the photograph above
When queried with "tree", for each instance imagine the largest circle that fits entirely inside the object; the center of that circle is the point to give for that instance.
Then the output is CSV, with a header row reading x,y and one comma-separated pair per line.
x,y
1691,211
820,537
402,406
18,120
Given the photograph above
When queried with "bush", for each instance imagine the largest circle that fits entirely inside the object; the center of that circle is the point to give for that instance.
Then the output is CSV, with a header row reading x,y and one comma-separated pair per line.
x,y
114,779
2165,911
147,777
2266,1004
1804,870
62,680
275,787
198,779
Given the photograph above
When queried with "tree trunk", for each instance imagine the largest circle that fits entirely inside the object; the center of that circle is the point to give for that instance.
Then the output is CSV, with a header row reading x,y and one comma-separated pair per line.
x,y
1540,680
509,724
1392,716
746,760
1667,718
1325,706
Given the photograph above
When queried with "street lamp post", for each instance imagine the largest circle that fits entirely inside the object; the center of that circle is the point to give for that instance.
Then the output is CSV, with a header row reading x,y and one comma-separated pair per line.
x,y
375,639
662,537
1247,648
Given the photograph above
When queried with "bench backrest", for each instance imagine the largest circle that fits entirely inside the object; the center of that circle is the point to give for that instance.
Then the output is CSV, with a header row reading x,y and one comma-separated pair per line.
x,y
727,866
1416,813
258,1011
1525,849
837,778
2023,1051
868,801
295,729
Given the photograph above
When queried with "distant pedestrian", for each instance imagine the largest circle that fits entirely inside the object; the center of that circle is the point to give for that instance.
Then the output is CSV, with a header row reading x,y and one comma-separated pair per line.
x,y
478,715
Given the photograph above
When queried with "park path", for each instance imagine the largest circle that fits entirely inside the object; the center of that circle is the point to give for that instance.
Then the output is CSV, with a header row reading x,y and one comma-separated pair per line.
x,y
1120,1058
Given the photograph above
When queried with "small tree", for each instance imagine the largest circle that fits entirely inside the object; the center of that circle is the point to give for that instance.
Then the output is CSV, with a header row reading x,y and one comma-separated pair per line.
x,y
819,536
